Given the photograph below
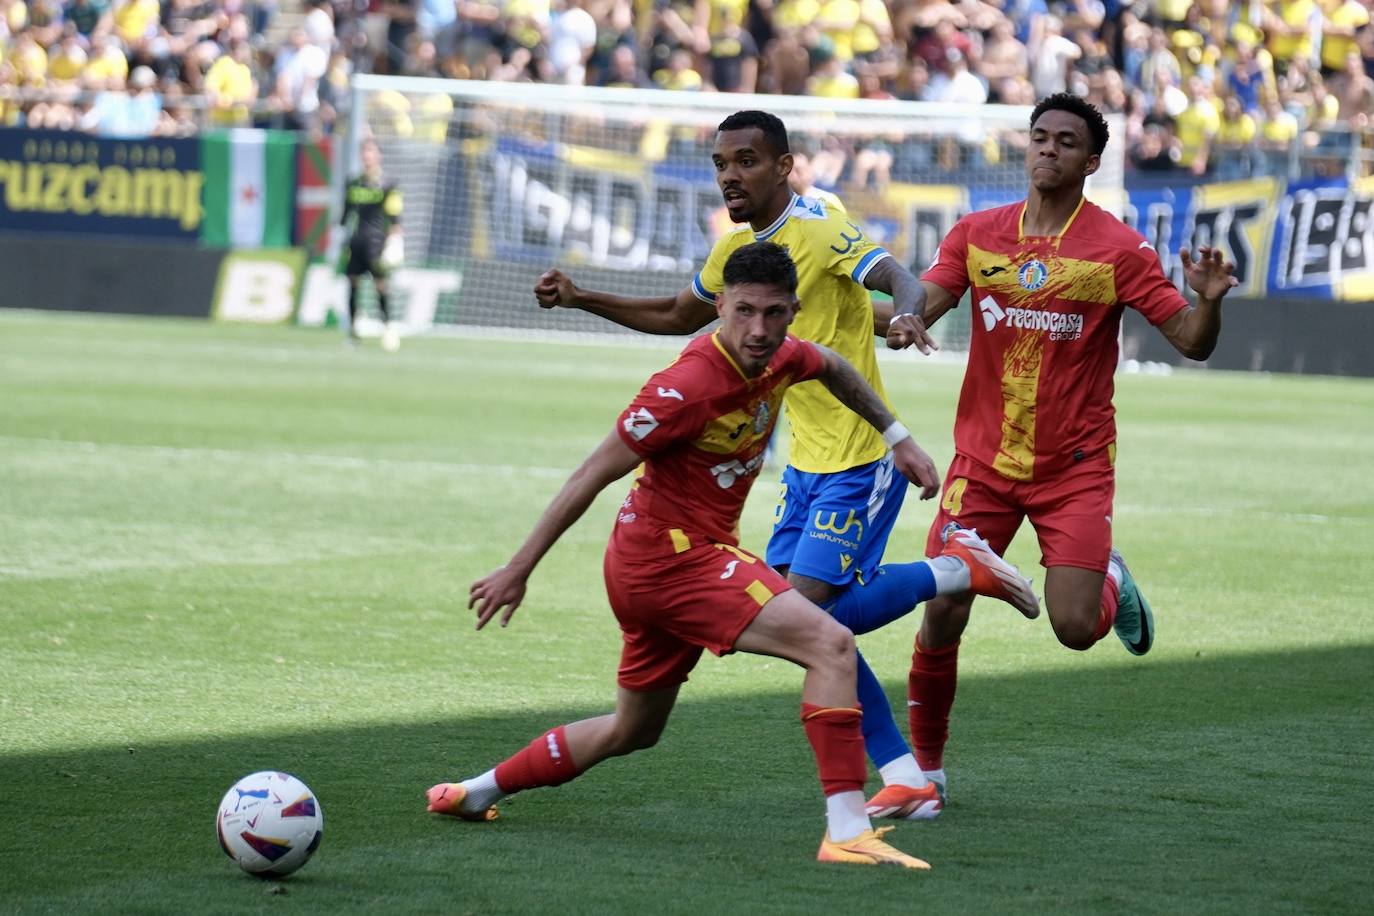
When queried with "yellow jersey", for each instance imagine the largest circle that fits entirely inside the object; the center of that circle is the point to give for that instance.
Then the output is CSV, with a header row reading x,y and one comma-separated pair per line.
x,y
833,256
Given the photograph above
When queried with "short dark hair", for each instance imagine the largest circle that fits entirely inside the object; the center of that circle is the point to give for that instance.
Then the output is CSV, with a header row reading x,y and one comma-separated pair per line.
x,y
763,263
771,126
1074,105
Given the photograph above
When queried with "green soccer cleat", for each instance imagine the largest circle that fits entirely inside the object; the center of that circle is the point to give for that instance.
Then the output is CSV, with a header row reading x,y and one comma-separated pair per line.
x,y
1135,622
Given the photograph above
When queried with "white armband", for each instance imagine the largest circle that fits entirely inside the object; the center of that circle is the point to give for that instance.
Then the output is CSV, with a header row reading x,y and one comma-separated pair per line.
x,y
895,433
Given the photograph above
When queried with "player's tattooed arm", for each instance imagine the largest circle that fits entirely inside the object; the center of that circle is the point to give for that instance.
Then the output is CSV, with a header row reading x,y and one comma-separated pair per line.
x,y
903,323
851,390
504,587
680,314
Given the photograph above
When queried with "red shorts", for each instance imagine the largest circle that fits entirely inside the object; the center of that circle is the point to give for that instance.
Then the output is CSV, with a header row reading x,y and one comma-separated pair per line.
x,y
1071,511
670,609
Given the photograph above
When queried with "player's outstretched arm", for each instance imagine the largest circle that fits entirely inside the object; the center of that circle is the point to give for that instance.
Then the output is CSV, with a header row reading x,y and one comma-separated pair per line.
x,y
505,587
906,325
680,314
1194,330
850,389
898,330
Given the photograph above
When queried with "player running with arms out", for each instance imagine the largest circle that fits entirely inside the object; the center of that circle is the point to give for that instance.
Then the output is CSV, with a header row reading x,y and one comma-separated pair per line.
x,y
840,495
372,217
676,577
1034,437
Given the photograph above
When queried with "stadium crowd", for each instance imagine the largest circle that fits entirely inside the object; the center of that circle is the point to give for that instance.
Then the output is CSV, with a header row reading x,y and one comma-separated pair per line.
x,y
1208,88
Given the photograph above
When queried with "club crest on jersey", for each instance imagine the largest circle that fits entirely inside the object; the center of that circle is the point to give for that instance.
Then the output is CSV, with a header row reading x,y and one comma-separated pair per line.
x,y
1033,274
761,418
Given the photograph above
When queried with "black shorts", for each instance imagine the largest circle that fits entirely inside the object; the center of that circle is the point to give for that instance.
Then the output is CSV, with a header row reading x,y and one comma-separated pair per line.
x,y
365,259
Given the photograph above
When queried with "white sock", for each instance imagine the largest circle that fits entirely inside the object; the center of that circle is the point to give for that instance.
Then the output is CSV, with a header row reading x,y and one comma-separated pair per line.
x,y
845,817
951,575
936,776
483,792
1115,572
903,772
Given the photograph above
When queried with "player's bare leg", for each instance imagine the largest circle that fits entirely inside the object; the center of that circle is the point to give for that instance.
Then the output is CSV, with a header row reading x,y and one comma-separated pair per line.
x,y
1085,605
791,627
560,754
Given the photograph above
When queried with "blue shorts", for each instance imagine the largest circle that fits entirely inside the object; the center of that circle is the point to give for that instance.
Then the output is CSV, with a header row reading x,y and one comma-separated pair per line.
x,y
835,526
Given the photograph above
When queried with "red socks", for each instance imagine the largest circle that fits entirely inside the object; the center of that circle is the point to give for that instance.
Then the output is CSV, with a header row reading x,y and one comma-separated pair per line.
x,y
545,762
838,743
930,690
1111,597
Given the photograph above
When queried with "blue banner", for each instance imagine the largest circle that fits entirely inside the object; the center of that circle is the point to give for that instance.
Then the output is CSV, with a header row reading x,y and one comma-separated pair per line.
x,y
75,183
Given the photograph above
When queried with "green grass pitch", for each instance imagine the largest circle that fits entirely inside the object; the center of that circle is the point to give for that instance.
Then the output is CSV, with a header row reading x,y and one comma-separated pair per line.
x,y
225,549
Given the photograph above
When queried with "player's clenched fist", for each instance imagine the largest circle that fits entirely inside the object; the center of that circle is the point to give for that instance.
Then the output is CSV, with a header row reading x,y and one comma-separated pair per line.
x,y
554,289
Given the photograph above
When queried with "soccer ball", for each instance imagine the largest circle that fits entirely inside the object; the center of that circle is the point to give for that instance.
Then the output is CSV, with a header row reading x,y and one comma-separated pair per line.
x,y
270,824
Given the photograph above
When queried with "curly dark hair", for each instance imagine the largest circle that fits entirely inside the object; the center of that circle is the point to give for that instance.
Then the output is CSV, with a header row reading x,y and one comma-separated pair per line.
x,y
1074,105
771,126
762,262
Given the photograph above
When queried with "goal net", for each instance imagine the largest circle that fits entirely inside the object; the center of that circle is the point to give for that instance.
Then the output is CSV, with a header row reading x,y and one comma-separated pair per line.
x,y
502,181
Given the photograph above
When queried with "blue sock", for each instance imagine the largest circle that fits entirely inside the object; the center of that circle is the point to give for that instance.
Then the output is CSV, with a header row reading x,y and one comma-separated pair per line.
x,y
882,739
894,592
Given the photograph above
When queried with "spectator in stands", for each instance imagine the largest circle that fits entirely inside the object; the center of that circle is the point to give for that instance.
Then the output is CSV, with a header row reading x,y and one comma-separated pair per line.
x,y
1354,91
230,86
1342,20
91,17
134,110
571,40
1279,130
1251,74
1003,58
68,60
1289,24
1155,150
1234,145
299,68
624,71
679,74
1050,60
954,84
832,81
733,57
1197,127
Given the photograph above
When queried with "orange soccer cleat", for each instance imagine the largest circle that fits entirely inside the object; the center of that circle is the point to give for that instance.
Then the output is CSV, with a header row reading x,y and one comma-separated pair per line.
x,y
447,798
991,575
907,803
868,848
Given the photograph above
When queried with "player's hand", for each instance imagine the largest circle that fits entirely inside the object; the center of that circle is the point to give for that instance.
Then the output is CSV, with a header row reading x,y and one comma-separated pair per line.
x,y
1211,276
555,290
504,587
916,466
908,330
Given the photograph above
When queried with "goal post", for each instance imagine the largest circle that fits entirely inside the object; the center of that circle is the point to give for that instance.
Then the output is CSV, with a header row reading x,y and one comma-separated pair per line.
x,y
615,186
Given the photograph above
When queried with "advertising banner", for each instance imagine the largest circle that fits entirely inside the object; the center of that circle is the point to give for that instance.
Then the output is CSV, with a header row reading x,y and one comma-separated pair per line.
x,y
68,182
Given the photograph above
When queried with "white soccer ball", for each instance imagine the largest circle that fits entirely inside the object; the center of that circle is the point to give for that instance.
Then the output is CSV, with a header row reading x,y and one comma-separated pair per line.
x,y
270,824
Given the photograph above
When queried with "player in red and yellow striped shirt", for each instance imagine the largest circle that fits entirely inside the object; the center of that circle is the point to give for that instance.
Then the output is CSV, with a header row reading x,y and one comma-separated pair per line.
x,y
1035,436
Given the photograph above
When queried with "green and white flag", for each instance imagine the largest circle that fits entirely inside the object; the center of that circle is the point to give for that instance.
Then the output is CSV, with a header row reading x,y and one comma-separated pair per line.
x,y
249,188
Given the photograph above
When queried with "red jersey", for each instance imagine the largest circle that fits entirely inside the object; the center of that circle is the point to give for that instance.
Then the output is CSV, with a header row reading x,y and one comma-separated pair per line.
x,y
1037,393
701,426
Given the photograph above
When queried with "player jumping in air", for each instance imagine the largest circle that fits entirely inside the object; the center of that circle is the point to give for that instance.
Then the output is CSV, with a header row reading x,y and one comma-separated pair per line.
x,y
676,577
1034,437
372,217
840,496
